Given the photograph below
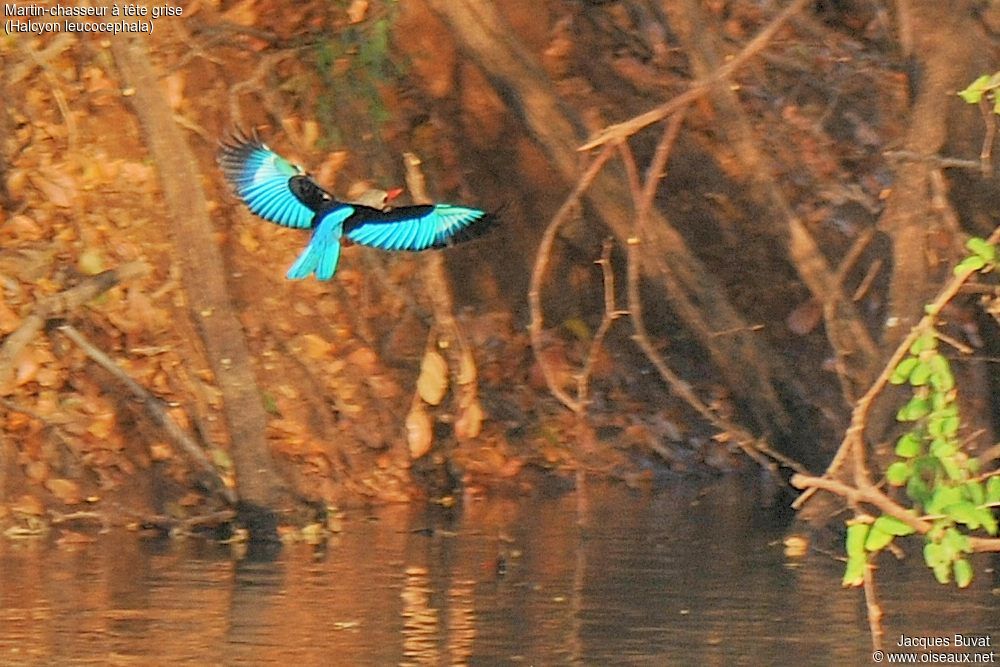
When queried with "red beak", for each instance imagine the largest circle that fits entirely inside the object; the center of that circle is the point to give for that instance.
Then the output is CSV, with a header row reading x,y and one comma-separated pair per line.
x,y
393,193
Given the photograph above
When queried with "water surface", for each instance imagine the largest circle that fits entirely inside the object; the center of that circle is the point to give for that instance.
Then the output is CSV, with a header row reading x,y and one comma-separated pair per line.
x,y
684,575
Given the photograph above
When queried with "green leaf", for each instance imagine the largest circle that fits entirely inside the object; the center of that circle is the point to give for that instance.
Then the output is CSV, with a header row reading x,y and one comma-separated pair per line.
x,y
926,341
975,492
898,472
856,534
934,554
918,490
993,489
952,469
921,373
940,373
908,446
942,572
877,539
969,265
987,519
917,408
954,543
893,526
976,89
943,496
943,448
981,248
270,404
903,369
963,573
854,573
943,426
963,512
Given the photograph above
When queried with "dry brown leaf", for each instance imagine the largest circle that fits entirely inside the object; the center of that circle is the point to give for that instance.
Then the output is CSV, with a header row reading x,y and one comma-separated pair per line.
x,y
470,423
9,319
26,369
23,227
65,490
244,13
466,368
805,317
314,346
28,504
364,360
357,11
56,187
102,425
433,381
419,431
71,538
17,181
175,83
383,387
248,241
160,451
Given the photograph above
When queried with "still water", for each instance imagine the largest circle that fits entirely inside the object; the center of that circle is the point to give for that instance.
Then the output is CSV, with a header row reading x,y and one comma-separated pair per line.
x,y
686,575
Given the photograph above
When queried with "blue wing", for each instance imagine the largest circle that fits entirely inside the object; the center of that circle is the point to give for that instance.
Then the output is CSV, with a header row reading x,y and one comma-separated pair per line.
x,y
416,227
271,186
323,252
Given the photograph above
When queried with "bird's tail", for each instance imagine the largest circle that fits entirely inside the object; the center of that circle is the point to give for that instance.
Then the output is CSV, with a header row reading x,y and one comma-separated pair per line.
x,y
320,256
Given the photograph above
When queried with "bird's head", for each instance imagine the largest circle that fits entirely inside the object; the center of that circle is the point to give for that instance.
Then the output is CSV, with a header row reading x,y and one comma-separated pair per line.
x,y
380,199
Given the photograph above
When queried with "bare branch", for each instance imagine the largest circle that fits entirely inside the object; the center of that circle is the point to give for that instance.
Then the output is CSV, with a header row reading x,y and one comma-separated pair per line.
x,y
538,275
617,132
155,407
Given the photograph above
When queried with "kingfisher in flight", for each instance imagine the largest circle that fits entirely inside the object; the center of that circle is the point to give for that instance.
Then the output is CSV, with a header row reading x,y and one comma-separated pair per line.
x,y
281,192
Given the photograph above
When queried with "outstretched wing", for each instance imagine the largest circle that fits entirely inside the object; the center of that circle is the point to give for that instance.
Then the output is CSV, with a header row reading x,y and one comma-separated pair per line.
x,y
416,227
270,186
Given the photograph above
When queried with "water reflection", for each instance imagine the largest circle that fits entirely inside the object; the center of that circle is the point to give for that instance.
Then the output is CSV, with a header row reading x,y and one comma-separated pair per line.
x,y
610,576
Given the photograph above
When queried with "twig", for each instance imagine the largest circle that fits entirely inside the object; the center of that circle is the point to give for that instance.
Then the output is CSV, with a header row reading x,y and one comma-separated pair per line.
x,y
155,408
867,281
933,160
542,259
58,518
617,132
957,344
875,628
611,313
59,43
986,152
904,23
186,526
853,253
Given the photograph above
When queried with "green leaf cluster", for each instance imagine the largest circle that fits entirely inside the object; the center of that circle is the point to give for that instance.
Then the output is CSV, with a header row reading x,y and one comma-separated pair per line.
x,y
939,477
